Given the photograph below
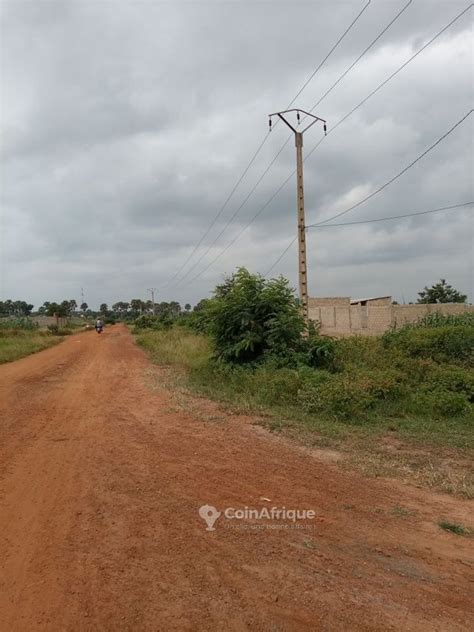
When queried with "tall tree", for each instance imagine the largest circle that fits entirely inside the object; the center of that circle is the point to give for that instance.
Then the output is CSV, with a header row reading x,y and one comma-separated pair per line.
x,y
15,308
441,292
84,307
137,306
57,309
44,308
149,306
175,309
121,308
163,308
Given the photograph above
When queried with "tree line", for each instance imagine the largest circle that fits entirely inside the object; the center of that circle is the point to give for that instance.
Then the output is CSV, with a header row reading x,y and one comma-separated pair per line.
x,y
440,292
122,310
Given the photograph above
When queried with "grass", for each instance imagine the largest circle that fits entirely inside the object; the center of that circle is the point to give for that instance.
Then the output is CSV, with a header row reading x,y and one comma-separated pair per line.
x,y
17,343
404,432
176,347
454,527
401,512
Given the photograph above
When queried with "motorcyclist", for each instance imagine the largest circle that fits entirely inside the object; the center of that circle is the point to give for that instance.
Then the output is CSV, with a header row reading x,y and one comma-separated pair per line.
x,y
99,325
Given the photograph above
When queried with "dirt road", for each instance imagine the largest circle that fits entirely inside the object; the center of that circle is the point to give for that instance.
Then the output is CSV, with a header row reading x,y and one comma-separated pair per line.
x,y
101,481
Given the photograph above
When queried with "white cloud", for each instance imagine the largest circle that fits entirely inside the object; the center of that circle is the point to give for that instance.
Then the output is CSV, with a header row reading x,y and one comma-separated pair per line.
x,y
127,124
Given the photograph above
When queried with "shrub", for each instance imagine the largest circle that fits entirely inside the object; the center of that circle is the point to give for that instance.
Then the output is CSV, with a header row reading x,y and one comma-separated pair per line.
x,y
320,351
18,323
360,351
199,319
250,317
350,394
441,320
440,403
448,343
272,387
452,379
149,321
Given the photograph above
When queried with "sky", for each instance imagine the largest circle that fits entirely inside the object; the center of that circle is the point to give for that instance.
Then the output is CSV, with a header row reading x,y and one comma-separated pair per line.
x,y
126,126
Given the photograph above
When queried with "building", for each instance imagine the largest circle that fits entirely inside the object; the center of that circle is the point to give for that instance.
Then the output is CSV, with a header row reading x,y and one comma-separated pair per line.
x,y
343,316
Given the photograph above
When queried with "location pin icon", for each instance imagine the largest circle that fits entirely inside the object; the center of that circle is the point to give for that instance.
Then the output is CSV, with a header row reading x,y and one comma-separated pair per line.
x,y
209,514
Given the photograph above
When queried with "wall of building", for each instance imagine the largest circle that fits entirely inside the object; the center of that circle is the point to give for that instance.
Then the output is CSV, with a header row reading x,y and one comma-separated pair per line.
x,y
340,318
408,313
329,301
379,302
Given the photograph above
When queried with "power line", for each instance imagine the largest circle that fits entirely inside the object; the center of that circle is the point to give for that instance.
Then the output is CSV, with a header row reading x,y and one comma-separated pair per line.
x,y
290,176
354,63
386,184
369,221
221,210
381,85
365,51
385,219
328,55
259,148
231,219
242,230
400,173
281,256
390,77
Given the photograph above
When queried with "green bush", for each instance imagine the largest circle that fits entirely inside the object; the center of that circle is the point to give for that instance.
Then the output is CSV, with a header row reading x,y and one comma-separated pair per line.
x,y
257,351
18,323
360,351
250,317
451,379
448,343
441,320
149,321
349,395
275,387
319,351
440,403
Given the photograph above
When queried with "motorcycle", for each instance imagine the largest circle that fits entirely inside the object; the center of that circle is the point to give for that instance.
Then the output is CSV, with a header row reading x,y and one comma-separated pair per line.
x,y
99,328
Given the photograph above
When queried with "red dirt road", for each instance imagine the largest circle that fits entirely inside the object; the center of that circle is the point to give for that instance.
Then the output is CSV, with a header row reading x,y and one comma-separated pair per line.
x,y
101,481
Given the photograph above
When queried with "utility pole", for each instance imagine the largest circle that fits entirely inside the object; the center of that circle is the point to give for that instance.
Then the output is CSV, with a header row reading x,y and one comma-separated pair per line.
x,y
152,291
302,267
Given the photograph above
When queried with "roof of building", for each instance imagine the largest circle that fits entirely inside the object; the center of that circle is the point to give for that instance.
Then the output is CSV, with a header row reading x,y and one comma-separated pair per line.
x,y
370,298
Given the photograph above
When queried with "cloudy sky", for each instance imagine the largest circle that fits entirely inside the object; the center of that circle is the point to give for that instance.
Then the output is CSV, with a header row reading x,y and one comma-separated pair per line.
x,y
126,125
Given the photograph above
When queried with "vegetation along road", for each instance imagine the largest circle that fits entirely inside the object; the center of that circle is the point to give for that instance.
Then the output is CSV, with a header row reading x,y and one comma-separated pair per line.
x,y
102,477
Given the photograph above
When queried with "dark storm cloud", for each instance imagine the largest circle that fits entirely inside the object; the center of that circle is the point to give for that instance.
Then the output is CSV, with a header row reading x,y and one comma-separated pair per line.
x,y
125,126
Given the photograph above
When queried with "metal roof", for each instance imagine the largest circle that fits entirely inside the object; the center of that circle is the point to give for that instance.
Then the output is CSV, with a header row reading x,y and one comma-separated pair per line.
x,y
370,298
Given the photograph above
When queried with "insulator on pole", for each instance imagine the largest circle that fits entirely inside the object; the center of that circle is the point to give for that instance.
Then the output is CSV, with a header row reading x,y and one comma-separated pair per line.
x,y
298,117
325,129
269,124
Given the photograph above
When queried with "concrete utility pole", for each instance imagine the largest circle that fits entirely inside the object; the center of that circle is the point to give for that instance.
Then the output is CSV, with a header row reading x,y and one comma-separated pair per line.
x,y
302,269
152,290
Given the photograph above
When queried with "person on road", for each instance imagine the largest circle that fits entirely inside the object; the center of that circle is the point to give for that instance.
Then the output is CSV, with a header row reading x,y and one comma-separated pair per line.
x,y
99,325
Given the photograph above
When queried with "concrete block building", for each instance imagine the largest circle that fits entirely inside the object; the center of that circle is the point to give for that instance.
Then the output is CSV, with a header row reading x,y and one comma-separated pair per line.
x,y
343,316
